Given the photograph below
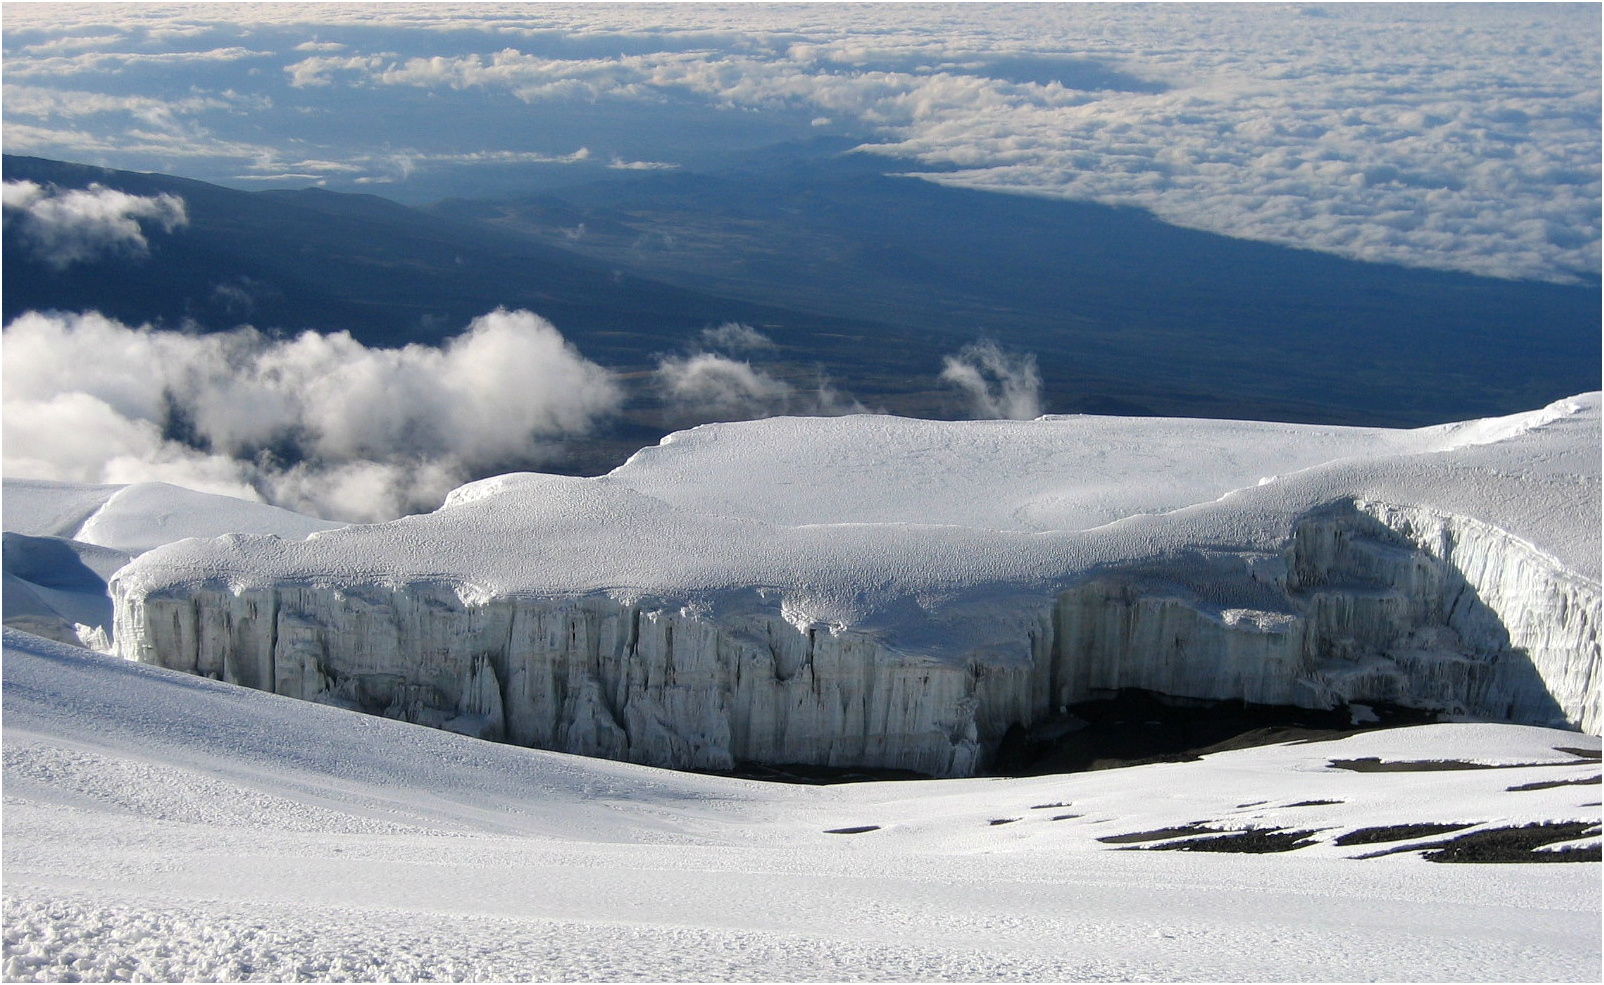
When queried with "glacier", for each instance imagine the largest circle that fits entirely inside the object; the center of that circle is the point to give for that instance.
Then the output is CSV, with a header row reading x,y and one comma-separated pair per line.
x,y
873,591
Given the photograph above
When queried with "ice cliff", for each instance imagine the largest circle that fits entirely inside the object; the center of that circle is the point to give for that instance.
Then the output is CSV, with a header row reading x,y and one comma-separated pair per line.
x,y
877,591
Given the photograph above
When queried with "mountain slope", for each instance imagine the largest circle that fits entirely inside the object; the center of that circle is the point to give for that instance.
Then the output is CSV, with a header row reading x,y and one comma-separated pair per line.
x,y
292,260
1115,303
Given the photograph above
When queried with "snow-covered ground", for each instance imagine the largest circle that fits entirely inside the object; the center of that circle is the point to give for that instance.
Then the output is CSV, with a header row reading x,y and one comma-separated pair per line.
x,y
162,826
63,540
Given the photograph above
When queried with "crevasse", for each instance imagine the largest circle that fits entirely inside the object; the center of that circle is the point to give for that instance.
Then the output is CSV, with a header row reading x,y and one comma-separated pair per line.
x,y
1368,602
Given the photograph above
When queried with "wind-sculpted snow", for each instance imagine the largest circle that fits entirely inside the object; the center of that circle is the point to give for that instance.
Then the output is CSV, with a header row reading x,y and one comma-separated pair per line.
x,y
874,591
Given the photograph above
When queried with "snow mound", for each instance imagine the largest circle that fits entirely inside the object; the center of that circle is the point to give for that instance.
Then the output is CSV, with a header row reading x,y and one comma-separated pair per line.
x,y
64,540
146,515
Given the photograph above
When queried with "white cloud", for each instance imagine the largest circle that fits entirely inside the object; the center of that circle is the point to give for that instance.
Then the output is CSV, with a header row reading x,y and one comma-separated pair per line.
x,y
707,386
618,164
58,66
79,144
720,388
995,383
734,336
1263,126
319,70
49,103
76,226
377,432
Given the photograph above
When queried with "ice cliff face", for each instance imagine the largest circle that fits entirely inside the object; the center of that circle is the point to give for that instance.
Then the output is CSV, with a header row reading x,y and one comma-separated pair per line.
x,y
1368,602
640,682
907,614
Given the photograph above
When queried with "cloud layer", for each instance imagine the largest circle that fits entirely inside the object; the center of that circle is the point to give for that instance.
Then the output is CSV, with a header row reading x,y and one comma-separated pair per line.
x,y
62,228
1454,136
317,423
324,425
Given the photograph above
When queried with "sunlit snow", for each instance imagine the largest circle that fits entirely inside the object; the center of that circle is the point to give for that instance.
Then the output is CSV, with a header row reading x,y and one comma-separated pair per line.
x,y
165,826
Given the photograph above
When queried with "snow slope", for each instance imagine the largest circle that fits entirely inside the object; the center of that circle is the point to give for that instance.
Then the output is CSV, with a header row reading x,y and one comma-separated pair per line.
x,y
871,590
64,540
162,825
138,517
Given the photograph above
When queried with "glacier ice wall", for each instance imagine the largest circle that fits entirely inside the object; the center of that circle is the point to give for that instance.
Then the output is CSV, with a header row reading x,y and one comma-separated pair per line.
x,y
1368,602
631,681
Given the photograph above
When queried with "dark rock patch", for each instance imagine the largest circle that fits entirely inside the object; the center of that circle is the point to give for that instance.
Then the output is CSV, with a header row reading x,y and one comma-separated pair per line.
x,y
1372,764
1254,841
1586,781
1594,754
1519,843
860,829
1397,832
1160,834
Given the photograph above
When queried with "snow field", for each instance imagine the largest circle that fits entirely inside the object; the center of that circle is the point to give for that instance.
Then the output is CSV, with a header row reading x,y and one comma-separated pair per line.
x,y
163,827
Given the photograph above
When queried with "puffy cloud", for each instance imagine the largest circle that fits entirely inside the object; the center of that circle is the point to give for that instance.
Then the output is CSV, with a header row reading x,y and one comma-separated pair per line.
x,y
734,336
317,423
997,384
720,388
319,70
67,227
709,386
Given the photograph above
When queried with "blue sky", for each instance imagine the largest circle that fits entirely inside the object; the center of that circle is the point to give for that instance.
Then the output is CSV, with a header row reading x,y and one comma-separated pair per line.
x,y
1462,136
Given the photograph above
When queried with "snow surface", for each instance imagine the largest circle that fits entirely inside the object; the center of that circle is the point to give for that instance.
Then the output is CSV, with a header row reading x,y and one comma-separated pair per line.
x,y
138,517
853,517
65,540
163,825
